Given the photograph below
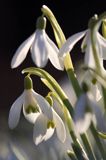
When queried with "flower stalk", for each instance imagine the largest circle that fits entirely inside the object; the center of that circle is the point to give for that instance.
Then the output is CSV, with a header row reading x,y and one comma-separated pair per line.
x,y
98,142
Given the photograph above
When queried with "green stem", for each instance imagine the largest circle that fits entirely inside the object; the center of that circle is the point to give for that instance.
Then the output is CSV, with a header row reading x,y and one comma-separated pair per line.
x,y
98,142
60,38
104,98
72,155
70,124
88,147
74,82
77,147
78,152
95,54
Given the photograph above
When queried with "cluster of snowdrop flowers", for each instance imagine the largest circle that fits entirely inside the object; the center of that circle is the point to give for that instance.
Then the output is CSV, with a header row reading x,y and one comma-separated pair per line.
x,y
37,111
86,114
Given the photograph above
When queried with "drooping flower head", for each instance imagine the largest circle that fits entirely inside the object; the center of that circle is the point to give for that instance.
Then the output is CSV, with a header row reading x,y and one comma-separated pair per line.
x,y
37,111
87,46
87,110
41,47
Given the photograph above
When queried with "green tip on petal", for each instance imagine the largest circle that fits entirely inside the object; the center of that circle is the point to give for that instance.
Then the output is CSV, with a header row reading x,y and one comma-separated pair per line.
x,y
28,84
31,109
41,23
50,124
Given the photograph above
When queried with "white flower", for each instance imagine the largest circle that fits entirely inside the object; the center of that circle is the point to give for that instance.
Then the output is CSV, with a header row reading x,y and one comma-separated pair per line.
x,y
37,111
41,47
92,83
87,110
100,44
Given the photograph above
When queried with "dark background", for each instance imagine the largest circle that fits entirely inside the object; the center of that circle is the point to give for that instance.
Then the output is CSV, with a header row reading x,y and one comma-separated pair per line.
x,y
17,22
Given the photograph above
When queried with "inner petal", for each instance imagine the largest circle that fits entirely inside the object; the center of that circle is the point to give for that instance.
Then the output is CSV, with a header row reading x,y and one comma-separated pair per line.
x,y
32,109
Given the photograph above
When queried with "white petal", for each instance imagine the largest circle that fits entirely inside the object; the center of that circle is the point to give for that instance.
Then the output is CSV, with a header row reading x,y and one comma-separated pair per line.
x,y
14,114
54,155
83,123
40,129
96,91
58,109
49,133
82,118
21,52
89,58
44,105
71,41
80,107
39,51
102,44
60,128
31,117
53,55
99,118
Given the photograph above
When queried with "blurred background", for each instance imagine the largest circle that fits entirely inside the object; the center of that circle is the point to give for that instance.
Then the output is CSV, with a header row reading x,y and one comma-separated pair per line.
x,y
17,22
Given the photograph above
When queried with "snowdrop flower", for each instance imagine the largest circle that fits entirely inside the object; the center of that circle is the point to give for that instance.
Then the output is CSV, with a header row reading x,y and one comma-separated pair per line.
x,y
100,44
37,111
87,110
41,47
94,86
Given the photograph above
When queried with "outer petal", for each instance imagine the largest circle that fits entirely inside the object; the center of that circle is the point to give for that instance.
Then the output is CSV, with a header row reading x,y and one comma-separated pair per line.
x,y
82,118
53,55
40,129
39,50
14,114
96,91
71,41
44,105
99,118
89,58
83,124
60,128
21,52
102,44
